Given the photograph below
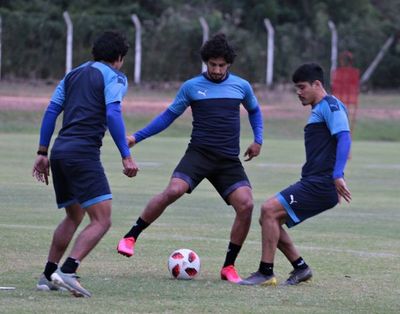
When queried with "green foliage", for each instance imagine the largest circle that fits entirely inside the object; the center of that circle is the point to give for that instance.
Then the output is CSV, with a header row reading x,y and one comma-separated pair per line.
x,y
34,35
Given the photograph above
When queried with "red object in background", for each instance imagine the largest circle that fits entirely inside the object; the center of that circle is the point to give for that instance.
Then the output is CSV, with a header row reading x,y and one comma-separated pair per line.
x,y
346,86
346,81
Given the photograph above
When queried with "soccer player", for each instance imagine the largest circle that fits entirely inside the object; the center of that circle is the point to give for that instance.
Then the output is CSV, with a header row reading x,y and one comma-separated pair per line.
x,y
322,184
90,98
214,97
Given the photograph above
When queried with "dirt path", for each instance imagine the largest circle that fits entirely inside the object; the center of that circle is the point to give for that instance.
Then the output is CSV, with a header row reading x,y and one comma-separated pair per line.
x,y
152,106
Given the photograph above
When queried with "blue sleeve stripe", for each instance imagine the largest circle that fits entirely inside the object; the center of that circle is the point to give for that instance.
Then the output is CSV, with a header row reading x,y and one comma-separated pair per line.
x,y
256,122
58,96
342,153
158,124
49,123
116,127
182,100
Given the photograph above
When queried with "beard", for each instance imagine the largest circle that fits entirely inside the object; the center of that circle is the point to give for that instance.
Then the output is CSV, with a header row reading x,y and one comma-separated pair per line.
x,y
216,77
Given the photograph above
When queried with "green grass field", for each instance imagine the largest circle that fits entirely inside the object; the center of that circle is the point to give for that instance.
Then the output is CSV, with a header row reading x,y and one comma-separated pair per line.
x,y
353,249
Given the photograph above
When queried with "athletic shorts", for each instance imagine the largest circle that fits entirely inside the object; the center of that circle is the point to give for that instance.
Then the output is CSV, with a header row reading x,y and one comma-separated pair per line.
x,y
80,181
224,172
307,198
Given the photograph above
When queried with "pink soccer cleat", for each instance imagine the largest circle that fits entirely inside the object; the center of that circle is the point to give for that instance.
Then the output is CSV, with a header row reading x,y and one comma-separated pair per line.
x,y
229,273
126,246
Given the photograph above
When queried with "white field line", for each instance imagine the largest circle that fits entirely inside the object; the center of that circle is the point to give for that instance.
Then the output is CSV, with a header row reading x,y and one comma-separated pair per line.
x,y
294,165
150,164
278,165
12,226
384,166
167,237
7,288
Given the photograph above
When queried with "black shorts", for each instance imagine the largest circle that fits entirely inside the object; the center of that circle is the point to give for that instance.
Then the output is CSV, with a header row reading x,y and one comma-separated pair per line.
x,y
307,198
224,172
80,181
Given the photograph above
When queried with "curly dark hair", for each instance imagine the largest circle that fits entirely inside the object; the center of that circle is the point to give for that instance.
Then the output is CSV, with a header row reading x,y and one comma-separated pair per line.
x,y
308,72
217,47
110,46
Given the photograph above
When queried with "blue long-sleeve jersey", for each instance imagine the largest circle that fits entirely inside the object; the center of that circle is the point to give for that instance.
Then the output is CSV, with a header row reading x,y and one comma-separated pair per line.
x,y
90,97
216,113
327,139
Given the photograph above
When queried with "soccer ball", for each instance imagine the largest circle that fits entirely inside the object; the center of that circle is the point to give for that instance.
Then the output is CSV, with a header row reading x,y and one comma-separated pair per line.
x,y
184,264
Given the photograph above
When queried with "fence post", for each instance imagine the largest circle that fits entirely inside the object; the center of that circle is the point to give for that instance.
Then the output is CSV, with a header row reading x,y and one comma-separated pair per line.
x,y
138,48
334,49
270,53
1,32
68,61
368,72
206,29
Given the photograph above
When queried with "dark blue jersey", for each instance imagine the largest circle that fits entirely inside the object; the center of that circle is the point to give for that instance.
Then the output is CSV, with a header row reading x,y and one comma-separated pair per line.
x,y
327,118
216,111
84,94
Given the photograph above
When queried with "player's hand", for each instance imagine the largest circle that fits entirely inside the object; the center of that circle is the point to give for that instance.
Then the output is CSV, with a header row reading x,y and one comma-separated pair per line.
x,y
41,168
130,140
252,151
342,190
130,167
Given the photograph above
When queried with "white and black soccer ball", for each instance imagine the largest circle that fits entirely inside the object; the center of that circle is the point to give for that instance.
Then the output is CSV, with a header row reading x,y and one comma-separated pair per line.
x,y
184,264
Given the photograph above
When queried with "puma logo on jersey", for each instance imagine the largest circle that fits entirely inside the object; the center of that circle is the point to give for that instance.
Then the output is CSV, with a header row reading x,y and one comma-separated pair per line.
x,y
292,201
202,92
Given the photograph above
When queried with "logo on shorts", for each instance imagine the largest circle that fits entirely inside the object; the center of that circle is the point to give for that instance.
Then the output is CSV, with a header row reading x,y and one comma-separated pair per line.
x,y
292,201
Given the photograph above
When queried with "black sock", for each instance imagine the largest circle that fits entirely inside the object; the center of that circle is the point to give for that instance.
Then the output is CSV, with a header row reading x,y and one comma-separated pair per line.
x,y
70,265
49,269
231,255
137,228
299,263
266,268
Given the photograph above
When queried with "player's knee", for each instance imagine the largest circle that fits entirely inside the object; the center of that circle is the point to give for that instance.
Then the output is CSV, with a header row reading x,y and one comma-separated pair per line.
x,y
267,212
245,208
75,215
173,193
109,223
105,224
73,221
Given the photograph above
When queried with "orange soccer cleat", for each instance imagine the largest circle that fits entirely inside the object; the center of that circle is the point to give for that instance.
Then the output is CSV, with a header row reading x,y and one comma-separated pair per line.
x,y
126,246
229,273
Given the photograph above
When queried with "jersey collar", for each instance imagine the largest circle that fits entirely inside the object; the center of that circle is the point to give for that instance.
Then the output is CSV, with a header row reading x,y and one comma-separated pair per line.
x,y
216,82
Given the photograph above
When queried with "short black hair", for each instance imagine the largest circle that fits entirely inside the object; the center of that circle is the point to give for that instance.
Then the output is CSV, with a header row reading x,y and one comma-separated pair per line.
x,y
110,46
217,47
308,72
